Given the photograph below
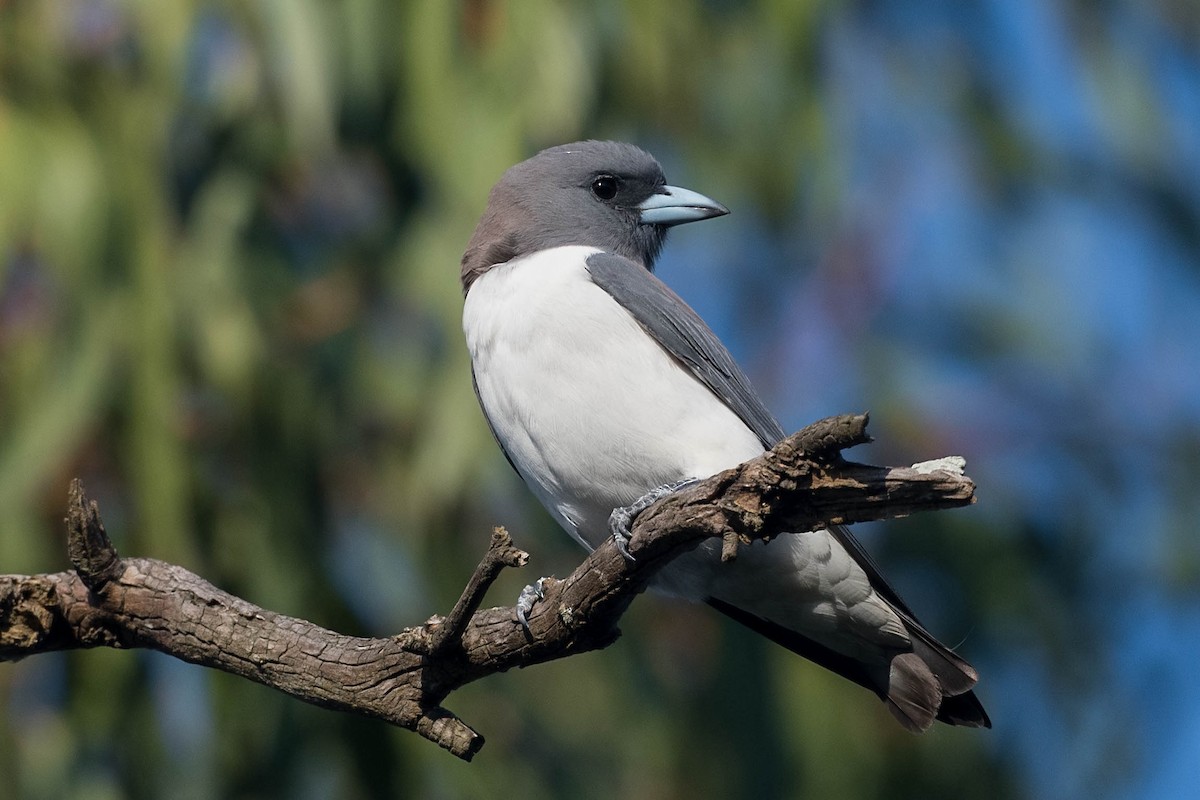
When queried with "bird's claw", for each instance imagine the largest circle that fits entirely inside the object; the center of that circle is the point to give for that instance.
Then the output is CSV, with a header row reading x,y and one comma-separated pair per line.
x,y
527,598
620,521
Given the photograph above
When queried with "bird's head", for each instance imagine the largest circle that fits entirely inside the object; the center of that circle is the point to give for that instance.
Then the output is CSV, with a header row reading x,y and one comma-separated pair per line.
x,y
608,195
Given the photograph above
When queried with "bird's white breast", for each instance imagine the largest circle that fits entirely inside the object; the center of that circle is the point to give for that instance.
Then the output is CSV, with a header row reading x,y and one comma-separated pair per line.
x,y
594,414
591,410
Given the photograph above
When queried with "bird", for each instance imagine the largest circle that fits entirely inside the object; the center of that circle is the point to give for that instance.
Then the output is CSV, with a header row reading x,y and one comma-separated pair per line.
x,y
605,390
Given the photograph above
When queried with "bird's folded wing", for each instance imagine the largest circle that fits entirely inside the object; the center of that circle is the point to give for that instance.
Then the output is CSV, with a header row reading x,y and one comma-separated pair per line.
x,y
681,332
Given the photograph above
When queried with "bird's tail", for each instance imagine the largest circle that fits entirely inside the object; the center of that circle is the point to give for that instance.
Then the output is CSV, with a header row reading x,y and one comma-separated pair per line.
x,y
919,686
932,682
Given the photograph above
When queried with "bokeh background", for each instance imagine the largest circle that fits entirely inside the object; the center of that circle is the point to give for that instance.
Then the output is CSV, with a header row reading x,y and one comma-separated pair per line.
x,y
229,301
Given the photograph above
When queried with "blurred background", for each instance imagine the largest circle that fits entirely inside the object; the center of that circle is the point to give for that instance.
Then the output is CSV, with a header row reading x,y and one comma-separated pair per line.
x,y
229,301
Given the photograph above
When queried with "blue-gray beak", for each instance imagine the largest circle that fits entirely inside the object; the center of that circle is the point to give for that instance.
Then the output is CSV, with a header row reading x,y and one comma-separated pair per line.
x,y
674,205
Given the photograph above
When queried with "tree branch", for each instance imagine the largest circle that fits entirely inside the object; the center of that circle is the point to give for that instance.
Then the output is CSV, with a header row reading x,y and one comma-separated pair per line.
x,y
108,601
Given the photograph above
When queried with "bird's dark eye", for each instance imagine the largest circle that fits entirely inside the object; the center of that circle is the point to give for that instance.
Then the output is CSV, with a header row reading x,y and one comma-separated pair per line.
x,y
605,187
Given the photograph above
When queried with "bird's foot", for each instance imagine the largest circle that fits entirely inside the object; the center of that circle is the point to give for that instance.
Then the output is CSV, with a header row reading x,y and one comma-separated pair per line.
x,y
620,521
526,599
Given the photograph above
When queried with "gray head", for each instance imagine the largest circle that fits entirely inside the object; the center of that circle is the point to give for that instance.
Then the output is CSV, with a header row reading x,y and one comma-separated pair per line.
x,y
608,195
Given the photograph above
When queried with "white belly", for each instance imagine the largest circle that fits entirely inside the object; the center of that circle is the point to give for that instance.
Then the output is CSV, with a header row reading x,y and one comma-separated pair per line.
x,y
590,409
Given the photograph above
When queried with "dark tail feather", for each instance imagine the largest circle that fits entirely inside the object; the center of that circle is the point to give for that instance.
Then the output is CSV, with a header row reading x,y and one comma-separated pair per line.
x,y
913,693
963,709
959,705
929,683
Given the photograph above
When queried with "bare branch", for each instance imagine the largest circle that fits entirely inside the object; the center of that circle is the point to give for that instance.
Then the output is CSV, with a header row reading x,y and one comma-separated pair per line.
x,y
108,601
438,634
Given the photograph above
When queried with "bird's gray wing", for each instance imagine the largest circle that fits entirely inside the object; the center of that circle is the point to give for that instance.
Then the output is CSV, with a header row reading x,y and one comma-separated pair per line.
x,y
681,332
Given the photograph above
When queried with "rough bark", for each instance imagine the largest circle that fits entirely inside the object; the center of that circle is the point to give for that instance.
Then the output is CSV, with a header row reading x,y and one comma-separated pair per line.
x,y
109,601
